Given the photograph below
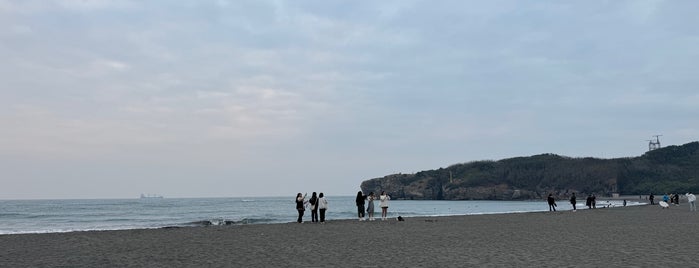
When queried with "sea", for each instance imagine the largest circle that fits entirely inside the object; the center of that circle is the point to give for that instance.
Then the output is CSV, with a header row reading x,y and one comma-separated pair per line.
x,y
56,216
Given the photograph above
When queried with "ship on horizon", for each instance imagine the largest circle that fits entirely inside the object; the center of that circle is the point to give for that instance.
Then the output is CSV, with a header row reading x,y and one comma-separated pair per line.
x,y
151,196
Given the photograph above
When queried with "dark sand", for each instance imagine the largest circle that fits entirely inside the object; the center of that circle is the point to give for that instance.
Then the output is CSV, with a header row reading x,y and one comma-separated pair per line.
x,y
643,236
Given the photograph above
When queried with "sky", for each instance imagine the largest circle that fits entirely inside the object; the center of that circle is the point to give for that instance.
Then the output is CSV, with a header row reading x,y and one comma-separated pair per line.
x,y
111,99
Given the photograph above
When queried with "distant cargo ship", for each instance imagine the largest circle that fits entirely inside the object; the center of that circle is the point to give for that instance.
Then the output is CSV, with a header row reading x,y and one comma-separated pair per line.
x,y
151,196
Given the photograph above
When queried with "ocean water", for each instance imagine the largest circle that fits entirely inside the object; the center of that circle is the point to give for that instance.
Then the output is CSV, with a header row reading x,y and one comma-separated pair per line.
x,y
50,216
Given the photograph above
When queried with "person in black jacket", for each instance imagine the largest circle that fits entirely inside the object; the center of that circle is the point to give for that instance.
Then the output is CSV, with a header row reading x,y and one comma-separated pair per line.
x,y
552,203
573,201
360,205
300,203
314,207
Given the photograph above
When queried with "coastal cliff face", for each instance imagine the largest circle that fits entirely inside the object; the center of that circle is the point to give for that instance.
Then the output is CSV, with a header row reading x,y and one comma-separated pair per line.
x,y
669,169
429,189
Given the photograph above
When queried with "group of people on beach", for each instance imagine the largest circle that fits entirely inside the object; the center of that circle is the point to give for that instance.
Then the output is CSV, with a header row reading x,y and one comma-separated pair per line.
x,y
317,203
675,199
590,202
362,199
672,199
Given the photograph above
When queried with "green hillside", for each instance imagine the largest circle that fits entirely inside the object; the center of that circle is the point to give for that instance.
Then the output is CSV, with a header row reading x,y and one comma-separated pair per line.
x,y
673,169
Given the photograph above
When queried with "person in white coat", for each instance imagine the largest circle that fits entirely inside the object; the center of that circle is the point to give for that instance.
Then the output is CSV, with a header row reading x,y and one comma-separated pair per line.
x,y
322,206
691,199
383,203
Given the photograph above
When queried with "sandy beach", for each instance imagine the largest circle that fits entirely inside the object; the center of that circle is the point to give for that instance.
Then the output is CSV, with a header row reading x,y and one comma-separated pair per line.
x,y
641,236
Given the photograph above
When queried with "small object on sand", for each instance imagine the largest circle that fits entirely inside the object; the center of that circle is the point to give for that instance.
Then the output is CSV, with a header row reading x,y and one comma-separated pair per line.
x,y
663,204
400,218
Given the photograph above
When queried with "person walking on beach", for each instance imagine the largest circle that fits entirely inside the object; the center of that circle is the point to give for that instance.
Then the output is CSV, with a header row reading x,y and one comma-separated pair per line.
x,y
651,197
300,203
314,207
573,201
691,199
370,206
322,206
552,203
588,201
383,203
360,205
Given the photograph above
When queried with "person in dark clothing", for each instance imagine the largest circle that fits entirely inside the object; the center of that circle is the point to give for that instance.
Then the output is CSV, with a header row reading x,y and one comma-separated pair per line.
x,y
588,201
300,203
552,203
360,205
314,207
651,197
594,201
573,201
677,199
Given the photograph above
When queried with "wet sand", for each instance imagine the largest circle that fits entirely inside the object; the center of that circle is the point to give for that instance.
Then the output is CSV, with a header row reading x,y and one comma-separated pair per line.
x,y
641,236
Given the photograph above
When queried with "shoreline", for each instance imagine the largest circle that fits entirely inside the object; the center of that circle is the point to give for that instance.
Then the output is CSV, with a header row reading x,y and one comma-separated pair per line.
x,y
587,238
394,215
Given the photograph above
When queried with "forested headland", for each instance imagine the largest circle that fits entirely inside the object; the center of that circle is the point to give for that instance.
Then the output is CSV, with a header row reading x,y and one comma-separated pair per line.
x,y
672,169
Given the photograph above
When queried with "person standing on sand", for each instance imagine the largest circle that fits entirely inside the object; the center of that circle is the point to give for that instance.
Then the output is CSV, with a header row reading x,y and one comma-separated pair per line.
x,y
588,201
552,202
360,205
370,206
573,201
314,207
383,203
594,201
300,203
691,199
322,206
651,197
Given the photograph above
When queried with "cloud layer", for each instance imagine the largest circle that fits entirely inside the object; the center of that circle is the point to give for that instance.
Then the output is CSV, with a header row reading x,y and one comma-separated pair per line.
x,y
251,98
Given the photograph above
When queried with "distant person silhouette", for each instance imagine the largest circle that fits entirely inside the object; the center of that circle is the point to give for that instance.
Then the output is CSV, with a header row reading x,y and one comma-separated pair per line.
x,y
360,205
594,201
300,203
552,202
314,207
573,201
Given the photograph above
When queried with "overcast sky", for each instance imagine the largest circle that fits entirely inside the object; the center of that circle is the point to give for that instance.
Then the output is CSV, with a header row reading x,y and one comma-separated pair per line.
x,y
111,99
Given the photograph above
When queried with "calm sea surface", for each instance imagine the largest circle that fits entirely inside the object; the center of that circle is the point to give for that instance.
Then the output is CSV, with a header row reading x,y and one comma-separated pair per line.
x,y
49,216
